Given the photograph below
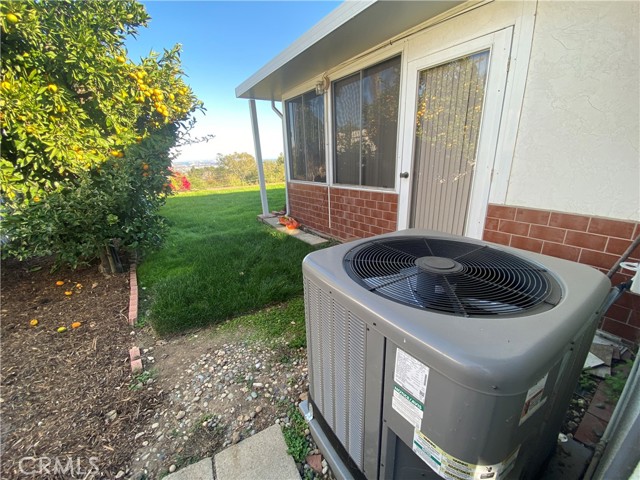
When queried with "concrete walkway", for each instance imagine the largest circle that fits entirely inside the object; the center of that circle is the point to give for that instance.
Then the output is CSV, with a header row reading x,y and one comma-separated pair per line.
x,y
309,238
263,456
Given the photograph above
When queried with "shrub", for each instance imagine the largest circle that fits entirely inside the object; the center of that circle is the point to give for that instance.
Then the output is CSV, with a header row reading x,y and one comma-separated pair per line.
x,y
86,132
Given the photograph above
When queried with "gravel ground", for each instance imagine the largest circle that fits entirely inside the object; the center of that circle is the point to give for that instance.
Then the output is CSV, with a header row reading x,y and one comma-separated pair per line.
x,y
216,388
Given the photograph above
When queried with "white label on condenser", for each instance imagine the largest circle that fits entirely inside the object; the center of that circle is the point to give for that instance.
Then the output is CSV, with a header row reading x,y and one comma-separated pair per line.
x,y
411,374
407,406
451,468
534,400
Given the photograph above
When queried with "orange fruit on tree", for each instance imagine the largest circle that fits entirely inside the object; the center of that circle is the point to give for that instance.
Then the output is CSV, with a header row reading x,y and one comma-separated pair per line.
x,y
12,17
52,88
120,59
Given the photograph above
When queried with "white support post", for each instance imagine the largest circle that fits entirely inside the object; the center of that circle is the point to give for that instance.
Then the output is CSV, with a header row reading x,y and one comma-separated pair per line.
x,y
256,144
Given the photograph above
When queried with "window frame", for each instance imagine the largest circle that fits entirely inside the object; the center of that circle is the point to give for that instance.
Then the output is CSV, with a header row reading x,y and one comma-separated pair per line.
x,y
300,91
358,66
344,70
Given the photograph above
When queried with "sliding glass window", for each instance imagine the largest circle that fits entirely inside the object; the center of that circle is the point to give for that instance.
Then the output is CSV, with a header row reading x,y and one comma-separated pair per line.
x,y
305,137
366,125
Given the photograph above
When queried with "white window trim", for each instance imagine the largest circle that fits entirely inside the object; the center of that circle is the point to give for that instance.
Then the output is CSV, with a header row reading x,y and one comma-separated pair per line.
x,y
298,91
522,43
356,66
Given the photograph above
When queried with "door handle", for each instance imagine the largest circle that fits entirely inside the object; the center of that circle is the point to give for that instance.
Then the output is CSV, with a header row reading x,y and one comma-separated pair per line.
x,y
404,175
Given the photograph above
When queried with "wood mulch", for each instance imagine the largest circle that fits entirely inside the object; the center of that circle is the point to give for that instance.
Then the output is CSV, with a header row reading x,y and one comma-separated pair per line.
x,y
66,403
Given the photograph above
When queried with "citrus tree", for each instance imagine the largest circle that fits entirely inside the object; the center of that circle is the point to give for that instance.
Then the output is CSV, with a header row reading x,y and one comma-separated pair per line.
x,y
86,131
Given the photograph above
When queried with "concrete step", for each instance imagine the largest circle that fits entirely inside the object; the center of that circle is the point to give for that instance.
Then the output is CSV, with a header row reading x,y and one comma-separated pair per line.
x,y
263,456
203,470
306,237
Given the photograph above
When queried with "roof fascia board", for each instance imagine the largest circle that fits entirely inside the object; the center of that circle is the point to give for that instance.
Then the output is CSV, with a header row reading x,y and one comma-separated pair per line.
x,y
338,17
336,41
449,14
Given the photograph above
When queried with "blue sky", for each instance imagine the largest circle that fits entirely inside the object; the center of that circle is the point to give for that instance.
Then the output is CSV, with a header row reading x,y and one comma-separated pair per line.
x,y
225,42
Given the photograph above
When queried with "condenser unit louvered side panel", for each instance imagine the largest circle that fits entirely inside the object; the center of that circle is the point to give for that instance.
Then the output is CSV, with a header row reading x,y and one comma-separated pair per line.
x,y
356,383
340,366
337,347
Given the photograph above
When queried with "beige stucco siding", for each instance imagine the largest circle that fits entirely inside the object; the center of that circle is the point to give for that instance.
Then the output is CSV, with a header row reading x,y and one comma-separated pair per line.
x,y
577,145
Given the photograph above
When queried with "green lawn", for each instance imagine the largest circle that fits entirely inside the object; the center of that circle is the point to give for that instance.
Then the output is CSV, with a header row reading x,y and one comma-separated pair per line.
x,y
219,262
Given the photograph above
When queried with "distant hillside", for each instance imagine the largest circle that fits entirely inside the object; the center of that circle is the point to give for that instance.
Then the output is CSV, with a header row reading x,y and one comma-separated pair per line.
x,y
236,169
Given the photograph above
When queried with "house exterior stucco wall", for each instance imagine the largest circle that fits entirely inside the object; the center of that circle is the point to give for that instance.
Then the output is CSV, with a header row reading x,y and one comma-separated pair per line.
x,y
577,145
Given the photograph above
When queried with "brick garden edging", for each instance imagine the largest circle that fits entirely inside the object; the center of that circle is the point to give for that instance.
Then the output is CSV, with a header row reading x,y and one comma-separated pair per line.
x,y
133,294
134,352
136,361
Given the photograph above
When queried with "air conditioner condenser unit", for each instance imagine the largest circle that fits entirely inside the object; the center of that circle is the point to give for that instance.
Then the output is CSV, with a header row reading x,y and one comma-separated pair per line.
x,y
437,356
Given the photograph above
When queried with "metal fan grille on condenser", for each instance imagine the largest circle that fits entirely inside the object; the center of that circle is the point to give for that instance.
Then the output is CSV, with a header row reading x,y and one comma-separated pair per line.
x,y
451,277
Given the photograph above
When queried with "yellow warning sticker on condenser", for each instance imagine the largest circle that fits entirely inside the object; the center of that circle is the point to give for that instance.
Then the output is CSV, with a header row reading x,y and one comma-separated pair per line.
x,y
451,468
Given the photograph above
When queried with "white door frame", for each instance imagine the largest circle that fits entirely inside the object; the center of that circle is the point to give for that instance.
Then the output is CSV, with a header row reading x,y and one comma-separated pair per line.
x,y
499,44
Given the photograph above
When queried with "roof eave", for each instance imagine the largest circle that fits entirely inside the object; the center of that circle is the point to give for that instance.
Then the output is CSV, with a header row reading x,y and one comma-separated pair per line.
x,y
337,38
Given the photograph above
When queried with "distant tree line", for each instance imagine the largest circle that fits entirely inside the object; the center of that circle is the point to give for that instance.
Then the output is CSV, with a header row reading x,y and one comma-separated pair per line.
x,y
235,169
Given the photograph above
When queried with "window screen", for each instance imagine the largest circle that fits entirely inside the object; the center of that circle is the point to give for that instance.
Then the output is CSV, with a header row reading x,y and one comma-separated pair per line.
x,y
366,125
305,135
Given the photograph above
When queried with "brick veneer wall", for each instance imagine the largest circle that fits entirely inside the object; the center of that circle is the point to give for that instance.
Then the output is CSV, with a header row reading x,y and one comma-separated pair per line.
x,y
594,241
354,213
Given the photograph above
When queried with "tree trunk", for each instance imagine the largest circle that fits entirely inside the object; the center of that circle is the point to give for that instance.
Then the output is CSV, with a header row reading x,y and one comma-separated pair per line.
x,y
110,260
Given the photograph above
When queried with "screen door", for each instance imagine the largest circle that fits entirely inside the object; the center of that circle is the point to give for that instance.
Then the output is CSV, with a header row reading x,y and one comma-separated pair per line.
x,y
455,123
